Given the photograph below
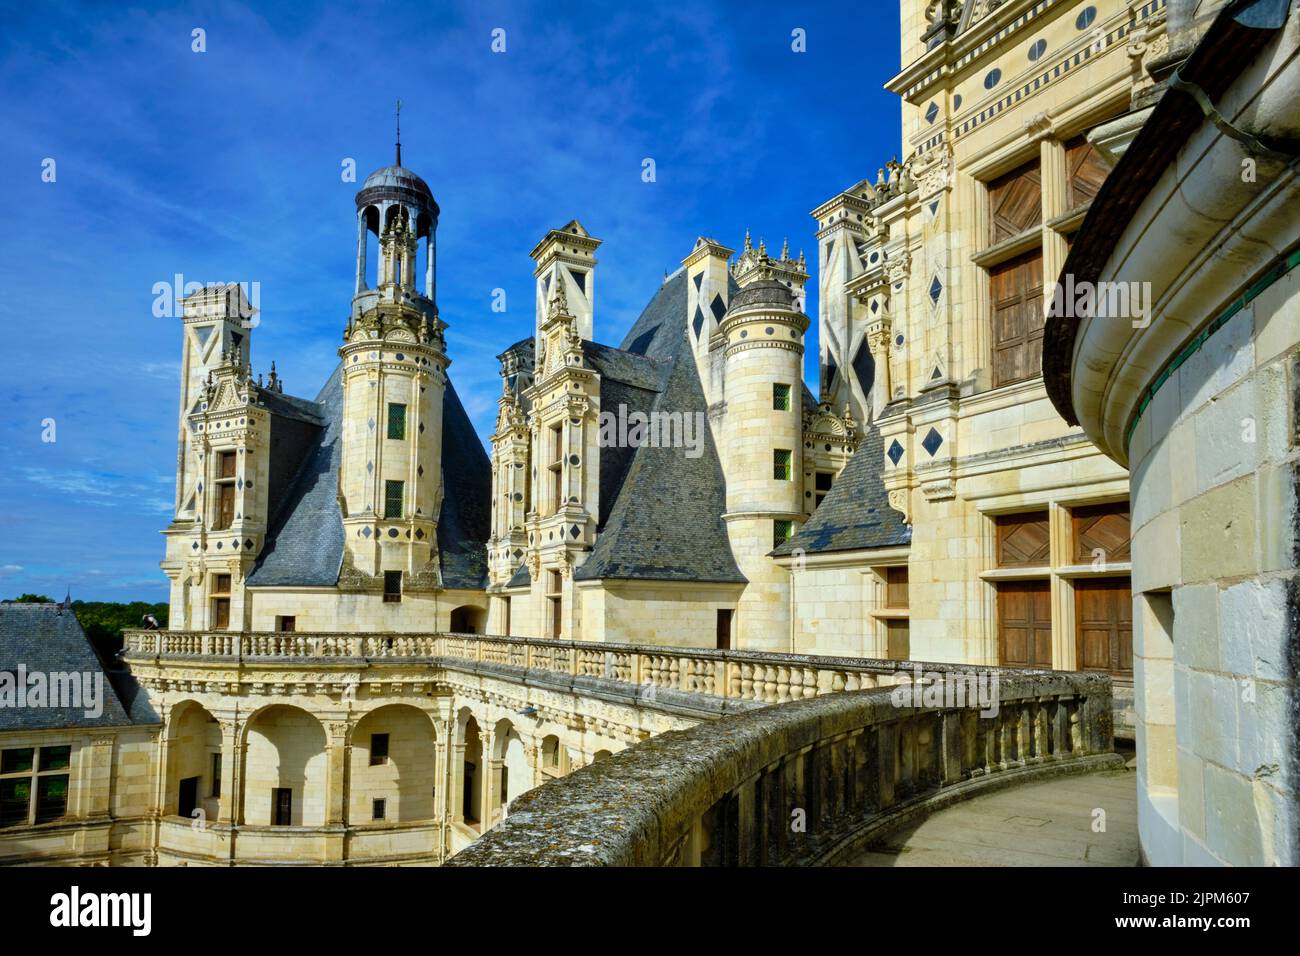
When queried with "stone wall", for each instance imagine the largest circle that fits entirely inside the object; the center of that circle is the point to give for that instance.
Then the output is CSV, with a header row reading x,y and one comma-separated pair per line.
x,y
1215,533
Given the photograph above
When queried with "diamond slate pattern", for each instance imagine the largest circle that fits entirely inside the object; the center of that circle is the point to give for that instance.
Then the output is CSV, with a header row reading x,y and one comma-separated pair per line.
x,y
895,451
932,441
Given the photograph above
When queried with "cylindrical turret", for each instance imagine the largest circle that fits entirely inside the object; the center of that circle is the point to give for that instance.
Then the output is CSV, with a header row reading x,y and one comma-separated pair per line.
x,y
762,440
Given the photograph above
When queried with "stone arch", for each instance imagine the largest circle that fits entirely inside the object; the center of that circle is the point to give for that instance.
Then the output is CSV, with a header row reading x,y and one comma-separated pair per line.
x,y
469,795
394,759
554,756
284,749
193,737
516,776
467,619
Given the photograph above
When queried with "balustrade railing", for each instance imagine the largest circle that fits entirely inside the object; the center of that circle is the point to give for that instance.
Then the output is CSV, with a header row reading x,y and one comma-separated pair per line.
x,y
810,781
749,676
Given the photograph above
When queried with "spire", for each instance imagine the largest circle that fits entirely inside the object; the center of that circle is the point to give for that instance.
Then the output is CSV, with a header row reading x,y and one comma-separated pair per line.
x,y
399,132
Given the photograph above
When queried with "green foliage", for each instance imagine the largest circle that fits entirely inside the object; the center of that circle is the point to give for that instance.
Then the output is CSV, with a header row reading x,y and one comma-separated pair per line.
x,y
103,621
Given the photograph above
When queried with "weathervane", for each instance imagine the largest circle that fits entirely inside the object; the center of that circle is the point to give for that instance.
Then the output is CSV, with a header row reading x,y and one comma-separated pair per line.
x,y
399,132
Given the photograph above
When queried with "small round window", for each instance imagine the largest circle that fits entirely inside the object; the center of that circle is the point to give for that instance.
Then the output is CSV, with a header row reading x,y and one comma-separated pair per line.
x,y
1038,49
992,78
1084,19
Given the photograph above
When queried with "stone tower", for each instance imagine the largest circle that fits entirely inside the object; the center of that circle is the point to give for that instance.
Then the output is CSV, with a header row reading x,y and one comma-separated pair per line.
x,y
566,263
762,437
394,377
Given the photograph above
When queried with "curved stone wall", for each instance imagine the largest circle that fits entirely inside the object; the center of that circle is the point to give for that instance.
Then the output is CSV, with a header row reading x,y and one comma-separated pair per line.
x,y
804,782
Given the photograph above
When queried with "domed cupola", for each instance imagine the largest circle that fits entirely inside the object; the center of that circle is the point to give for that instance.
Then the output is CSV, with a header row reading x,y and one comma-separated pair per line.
x,y
390,197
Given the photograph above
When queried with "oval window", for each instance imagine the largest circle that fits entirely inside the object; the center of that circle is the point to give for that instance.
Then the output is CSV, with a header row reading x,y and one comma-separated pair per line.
x,y
992,78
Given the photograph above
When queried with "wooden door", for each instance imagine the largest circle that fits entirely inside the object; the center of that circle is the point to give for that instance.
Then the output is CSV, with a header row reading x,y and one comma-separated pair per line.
x,y
221,613
1103,613
1016,296
1025,624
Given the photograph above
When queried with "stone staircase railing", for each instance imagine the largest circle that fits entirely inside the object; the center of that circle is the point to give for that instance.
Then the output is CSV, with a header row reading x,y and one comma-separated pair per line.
x,y
751,677
806,782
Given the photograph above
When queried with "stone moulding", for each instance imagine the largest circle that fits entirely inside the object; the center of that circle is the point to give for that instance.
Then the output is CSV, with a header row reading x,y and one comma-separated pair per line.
x,y
727,792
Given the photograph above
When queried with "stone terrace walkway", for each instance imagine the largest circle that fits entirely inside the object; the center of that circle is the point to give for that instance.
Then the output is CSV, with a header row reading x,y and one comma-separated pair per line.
x,y
1039,824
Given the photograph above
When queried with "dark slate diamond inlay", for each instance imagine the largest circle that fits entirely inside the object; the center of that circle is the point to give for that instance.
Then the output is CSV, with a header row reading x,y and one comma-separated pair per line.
x,y
932,112
699,277
936,290
718,306
895,451
932,441
698,322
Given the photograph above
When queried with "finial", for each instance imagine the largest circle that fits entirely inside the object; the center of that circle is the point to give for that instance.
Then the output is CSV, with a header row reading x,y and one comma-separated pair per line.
x,y
399,132
748,245
762,247
785,250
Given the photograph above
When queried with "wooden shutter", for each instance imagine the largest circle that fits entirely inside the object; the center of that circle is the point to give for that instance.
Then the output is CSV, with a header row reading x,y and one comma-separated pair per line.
x,y
221,613
1024,624
1015,202
1104,527
1086,171
1016,296
225,506
1104,626
1024,540
896,587
898,639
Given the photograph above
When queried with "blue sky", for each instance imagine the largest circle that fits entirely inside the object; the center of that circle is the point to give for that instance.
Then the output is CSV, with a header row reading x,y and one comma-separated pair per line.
x,y
225,165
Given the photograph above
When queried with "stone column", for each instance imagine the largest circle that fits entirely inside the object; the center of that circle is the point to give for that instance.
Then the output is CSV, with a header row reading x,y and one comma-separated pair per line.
x,y
1055,200
338,752
877,333
1062,589
361,250
488,778
430,256
231,778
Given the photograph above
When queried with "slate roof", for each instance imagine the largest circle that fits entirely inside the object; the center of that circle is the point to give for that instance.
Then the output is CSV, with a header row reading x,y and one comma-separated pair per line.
x,y
47,638
465,521
661,512
304,546
855,514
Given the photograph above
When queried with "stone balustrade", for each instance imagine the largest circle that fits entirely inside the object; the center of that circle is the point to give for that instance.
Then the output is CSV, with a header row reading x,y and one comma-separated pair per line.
x,y
735,679
809,781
